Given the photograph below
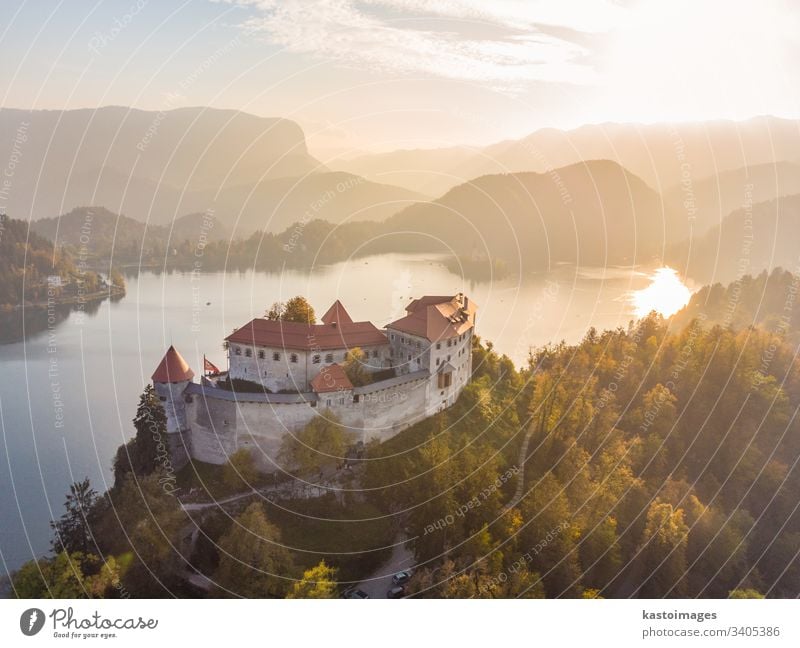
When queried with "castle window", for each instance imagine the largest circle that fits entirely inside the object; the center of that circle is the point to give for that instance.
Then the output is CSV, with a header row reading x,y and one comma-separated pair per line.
x,y
355,398
328,357
438,360
162,398
237,350
374,353
341,401
449,342
276,356
260,355
293,358
393,336
438,345
248,352
328,402
316,359
419,346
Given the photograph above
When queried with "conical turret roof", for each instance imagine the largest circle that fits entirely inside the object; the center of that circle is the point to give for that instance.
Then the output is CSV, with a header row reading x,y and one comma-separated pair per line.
x,y
173,368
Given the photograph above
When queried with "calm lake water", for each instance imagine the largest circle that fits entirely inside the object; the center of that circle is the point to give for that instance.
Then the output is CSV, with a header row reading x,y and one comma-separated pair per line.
x,y
68,394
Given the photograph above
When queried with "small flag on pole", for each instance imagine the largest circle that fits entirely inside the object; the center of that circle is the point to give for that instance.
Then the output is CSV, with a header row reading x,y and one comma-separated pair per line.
x,y
210,367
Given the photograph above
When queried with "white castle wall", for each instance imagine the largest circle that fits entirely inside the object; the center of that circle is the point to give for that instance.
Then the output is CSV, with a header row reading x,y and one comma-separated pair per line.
x,y
220,426
283,374
214,423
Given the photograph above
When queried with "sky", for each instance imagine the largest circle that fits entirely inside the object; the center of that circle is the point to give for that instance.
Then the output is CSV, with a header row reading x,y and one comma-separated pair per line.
x,y
375,75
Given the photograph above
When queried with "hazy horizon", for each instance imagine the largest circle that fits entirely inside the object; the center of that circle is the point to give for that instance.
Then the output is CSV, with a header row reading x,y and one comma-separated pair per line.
x,y
383,75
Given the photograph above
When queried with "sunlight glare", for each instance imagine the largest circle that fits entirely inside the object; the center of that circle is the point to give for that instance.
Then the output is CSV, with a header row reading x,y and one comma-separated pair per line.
x,y
666,294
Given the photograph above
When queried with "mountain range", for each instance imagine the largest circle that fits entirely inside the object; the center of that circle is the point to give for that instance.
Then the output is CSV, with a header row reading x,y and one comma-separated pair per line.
x,y
601,194
661,154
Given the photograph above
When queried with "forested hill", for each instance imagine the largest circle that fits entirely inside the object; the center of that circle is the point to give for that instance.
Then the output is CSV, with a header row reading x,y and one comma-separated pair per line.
x,y
26,261
769,300
640,463
592,213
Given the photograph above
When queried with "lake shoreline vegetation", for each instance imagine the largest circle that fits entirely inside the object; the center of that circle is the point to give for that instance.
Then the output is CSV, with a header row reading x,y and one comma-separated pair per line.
x,y
40,283
655,461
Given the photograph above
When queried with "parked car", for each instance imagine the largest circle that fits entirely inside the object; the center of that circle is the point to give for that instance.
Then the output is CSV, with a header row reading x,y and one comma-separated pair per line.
x,y
401,578
396,592
354,593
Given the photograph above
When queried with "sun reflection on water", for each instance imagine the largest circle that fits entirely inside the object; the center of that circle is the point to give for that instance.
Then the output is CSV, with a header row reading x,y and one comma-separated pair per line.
x,y
666,294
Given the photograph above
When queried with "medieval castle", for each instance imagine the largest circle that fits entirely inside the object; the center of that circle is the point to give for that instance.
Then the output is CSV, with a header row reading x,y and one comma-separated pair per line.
x,y
418,366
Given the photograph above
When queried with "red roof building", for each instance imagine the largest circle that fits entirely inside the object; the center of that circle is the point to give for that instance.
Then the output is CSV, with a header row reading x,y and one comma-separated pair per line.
x,y
437,317
338,332
173,368
330,379
337,314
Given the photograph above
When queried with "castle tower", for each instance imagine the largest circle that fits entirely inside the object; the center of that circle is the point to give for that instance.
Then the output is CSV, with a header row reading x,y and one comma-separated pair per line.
x,y
170,380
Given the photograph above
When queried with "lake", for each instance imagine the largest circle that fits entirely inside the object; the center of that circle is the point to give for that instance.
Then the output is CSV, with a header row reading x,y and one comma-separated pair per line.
x,y
68,394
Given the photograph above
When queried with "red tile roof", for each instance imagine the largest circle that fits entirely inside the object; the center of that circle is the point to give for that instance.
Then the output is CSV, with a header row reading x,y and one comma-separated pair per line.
x,y
437,318
329,379
337,313
296,335
173,368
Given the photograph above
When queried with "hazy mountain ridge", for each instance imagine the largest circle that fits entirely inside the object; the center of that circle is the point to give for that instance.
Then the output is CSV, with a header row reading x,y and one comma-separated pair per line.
x,y
759,300
761,236
590,213
66,154
98,232
708,201
661,154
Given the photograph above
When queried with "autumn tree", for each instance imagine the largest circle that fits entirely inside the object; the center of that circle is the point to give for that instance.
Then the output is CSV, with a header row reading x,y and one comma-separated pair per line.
x,y
320,446
319,582
663,552
297,309
253,562
240,470
68,575
354,367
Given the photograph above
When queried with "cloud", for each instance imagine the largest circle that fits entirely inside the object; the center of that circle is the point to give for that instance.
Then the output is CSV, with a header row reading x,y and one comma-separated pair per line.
x,y
497,43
